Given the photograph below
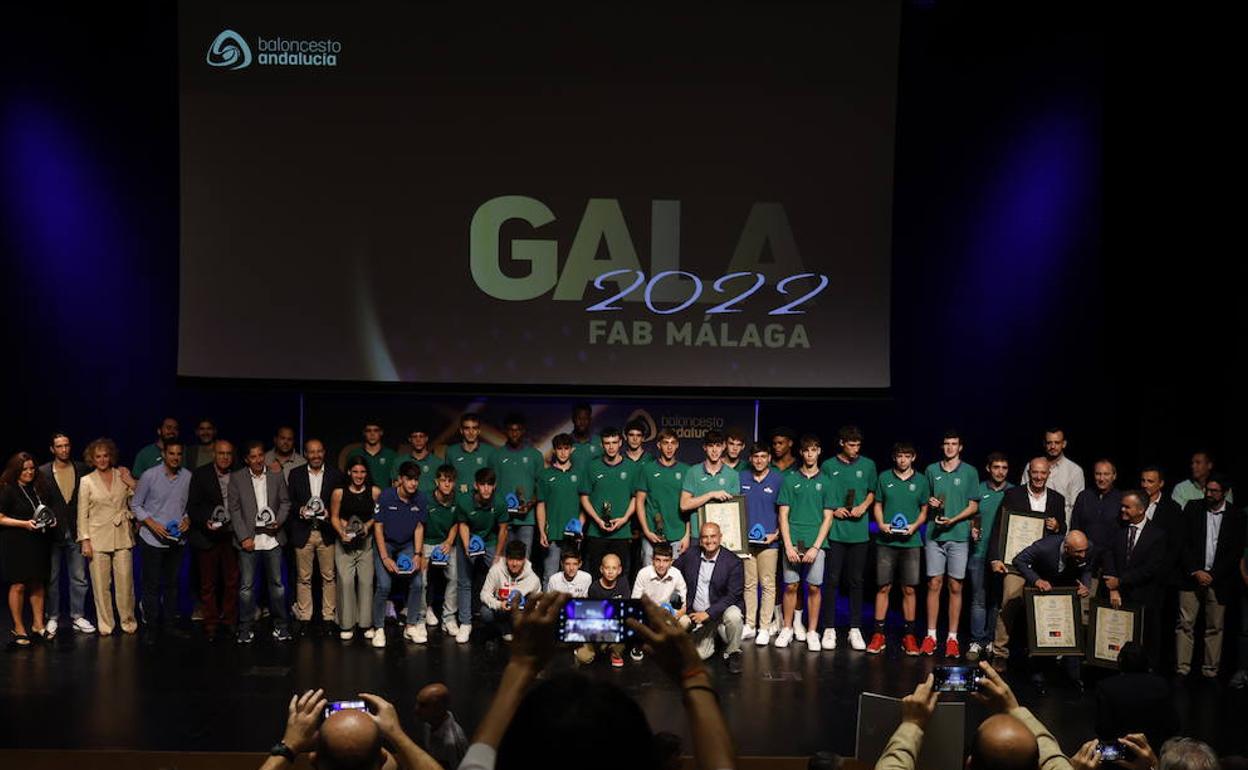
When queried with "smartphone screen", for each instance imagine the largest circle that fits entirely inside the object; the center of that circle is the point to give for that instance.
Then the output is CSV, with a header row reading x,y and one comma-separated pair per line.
x,y
1111,751
598,620
339,705
956,678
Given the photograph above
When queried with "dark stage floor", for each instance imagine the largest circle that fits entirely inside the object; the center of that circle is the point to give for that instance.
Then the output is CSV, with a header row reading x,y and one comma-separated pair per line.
x,y
88,692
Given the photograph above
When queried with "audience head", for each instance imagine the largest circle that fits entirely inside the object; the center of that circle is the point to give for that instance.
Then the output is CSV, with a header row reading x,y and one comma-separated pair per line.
x,y
1186,754
1003,742
574,709
1132,659
433,702
349,740
824,760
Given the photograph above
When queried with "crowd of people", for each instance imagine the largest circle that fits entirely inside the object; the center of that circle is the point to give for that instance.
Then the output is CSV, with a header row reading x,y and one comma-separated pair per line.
x,y
450,539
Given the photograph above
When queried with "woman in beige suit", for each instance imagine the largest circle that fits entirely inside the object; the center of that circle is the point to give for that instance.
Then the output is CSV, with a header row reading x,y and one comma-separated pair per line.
x,y
107,535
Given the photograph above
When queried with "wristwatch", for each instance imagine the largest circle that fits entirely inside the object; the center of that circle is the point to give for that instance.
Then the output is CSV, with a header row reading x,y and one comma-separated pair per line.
x,y
280,749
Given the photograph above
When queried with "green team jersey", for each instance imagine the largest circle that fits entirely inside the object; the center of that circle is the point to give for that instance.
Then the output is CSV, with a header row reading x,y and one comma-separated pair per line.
x,y
482,520
383,467
468,463
662,485
147,458
611,484
560,490
645,458
989,503
440,519
904,496
585,452
806,498
957,488
859,478
517,471
786,471
428,470
699,481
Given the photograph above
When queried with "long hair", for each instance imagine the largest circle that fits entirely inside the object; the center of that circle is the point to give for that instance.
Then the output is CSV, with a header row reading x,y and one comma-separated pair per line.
x,y
13,469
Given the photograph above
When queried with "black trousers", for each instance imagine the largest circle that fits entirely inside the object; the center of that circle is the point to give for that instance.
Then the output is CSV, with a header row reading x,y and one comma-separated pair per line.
x,y
852,558
160,580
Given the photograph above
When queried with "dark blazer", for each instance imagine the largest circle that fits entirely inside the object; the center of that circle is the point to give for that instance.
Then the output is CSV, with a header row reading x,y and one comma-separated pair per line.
x,y
727,580
66,510
1099,517
242,505
203,496
1136,703
1225,572
1015,499
1039,561
1142,577
300,493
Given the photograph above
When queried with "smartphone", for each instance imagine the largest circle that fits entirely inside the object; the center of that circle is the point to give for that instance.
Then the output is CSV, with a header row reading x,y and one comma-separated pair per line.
x,y
956,678
1112,751
340,705
598,620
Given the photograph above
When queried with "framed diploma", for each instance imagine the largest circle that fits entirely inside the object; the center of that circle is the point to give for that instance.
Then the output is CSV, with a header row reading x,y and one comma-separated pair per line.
x,y
733,524
1053,621
1019,529
1109,629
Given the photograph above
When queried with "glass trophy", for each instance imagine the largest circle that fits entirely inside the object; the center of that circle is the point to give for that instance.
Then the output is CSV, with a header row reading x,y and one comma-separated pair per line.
x,y
355,528
476,546
265,518
516,504
899,522
173,531
439,557
573,529
219,518
757,534
404,564
44,518
315,509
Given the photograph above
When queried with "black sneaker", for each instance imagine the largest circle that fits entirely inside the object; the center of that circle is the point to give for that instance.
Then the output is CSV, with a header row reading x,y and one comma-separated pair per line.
x,y
282,635
245,637
733,662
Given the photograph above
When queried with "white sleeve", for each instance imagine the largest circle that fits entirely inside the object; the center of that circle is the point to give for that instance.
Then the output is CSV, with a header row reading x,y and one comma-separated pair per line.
x,y
489,591
480,756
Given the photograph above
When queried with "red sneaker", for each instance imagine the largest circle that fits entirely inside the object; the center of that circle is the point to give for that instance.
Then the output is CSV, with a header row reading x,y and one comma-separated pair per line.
x,y
951,648
877,644
909,644
617,661
929,646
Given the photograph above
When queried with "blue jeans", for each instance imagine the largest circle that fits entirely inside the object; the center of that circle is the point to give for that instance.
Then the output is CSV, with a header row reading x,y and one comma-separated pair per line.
x,y
385,579
985,603
71,553
496,621
463,584
247,562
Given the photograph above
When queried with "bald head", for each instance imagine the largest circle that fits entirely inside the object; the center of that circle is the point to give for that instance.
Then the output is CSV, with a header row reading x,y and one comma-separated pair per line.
x,y
349,740
432,703
1076,540
1004,743
1038,473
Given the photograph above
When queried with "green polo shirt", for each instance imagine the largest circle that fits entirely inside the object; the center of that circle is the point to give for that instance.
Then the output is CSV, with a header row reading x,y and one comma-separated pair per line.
x,y
440,519
989,504
905,497
560,490
468,463
609,483
662,485
957,488
806,498
645,458
860,478
585,452
382,467
482,520
698,481
518,470
790,470
149,457
428,470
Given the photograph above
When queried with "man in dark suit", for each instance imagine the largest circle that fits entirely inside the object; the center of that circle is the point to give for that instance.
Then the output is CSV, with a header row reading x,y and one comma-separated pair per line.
x,y
212,540
715,579
311,536
1135,568
1135,701
256,490
1212,544
63,476
1053,560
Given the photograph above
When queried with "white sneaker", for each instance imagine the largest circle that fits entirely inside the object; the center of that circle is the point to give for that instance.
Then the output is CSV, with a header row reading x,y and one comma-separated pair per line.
x,y
50,627
464,632
451,627
812,642
777,621
799,631
379,636
786,636
746,633
828,642
763,638
346,635
431,617
417,634
84,626
507,637
855,640
369,633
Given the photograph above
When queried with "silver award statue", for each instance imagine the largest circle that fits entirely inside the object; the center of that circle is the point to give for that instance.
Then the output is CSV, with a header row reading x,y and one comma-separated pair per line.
x,y
355,528
265,518
44,518
315,509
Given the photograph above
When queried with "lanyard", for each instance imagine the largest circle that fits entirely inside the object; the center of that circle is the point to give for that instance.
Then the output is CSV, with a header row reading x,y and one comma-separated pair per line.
x,y
34,504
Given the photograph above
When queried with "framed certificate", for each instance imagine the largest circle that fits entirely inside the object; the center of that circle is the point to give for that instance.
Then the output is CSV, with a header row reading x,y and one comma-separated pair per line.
x,y
1109,629
731,517
1053,621
1019,529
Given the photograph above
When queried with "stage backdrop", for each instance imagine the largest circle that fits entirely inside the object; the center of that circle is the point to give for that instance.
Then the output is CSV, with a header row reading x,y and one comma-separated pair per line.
x,y
610,195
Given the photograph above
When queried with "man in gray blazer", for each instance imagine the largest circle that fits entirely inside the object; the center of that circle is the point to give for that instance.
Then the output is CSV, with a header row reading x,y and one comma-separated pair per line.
x,y
258,494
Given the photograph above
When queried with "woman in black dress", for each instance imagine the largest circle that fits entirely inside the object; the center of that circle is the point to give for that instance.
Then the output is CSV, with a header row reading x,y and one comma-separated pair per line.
x,y
25,551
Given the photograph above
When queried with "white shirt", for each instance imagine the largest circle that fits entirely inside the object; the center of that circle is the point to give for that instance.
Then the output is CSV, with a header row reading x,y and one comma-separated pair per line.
x,y
260,486
1038,502
578,586
660,589
1213,528
1066,477
702,594
446,743
315,480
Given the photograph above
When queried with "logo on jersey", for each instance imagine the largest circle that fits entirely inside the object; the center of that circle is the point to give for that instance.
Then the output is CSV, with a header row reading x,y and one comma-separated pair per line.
x,y
623,474
912,486
858,474
678,475
524,460
572,479
722,482
463,487
957,482
480,460
768,490
818,486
